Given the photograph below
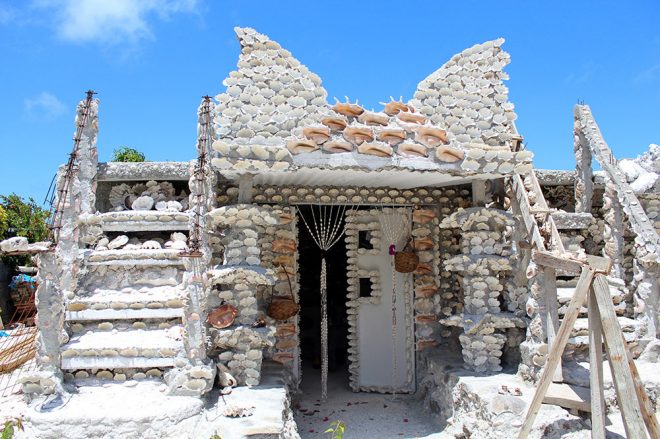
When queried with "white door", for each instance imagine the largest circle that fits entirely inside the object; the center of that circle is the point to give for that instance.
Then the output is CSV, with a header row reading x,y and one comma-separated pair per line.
x,y
385,350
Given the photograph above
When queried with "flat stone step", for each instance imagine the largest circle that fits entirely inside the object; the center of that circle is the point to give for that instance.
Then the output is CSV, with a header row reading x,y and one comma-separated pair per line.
x,y
123,314
136,221
150,298
121,349
119,362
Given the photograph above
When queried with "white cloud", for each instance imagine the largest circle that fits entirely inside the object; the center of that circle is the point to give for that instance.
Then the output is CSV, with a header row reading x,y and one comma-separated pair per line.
x,y
110,22
6,14
45,106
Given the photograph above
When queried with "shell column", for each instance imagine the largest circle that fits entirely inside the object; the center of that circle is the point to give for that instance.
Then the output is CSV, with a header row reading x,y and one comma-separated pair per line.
x,y
238,282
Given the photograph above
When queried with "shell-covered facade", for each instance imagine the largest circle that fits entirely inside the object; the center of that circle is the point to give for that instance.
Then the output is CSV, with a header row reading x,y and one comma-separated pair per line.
x,y
171,272
275,117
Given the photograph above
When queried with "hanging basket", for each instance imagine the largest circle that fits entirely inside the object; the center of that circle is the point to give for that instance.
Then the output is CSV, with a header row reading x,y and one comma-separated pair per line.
x,y
283,308
406,260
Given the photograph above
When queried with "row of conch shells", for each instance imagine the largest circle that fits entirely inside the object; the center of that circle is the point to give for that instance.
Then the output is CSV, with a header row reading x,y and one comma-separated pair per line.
x,y
147,196
177,241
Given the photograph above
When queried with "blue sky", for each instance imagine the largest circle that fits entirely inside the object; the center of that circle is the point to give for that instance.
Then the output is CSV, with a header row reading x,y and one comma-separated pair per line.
x,y
152,60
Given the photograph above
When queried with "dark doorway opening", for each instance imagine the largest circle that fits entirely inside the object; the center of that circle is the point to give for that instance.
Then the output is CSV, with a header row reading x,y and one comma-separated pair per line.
x,y
309,266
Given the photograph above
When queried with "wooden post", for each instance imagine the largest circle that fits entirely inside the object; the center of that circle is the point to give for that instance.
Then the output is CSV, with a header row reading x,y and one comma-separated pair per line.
x,y
598,412
557,348
644,402
618,359
552,313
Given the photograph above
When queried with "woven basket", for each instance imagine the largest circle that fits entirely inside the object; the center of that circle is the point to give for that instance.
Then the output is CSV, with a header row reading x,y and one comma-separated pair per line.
x,y
406,261
282,308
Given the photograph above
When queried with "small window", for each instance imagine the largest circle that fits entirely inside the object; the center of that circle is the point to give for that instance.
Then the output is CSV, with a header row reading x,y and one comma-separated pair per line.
x,y
364,240
366,288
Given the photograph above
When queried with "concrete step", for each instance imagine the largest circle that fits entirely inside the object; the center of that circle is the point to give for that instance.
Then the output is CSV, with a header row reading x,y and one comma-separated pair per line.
x,y
155,298
123,314
120,362
122,349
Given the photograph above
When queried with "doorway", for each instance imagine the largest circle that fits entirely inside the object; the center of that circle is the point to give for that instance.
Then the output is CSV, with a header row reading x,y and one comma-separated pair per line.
x,y
309,266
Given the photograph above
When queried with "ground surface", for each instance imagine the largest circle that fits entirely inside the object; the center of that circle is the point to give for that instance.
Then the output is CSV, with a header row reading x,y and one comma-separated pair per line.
x,y
366,415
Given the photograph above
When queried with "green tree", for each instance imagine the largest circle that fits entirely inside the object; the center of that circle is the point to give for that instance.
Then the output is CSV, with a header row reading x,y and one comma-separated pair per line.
x,y
22,218
126,154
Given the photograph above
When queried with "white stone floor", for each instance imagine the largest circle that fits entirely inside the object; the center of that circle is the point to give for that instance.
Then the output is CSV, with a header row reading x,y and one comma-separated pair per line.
x,y
366,415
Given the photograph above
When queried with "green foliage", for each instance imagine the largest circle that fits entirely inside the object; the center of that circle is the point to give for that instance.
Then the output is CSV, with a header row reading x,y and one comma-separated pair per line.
x,y
126,154
336,430
216,436
4,222
8,430
22,218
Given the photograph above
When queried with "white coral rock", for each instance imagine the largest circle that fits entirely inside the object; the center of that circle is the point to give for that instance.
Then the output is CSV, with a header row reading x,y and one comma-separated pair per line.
x,y
144,202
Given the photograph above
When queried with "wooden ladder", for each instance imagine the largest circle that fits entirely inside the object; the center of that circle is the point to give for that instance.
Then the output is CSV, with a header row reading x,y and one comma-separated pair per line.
x,y
636,411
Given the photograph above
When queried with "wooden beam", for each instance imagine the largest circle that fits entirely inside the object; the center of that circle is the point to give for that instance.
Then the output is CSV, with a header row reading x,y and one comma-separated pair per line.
x,y
617,355
598,408
570,397
551,312
523,204
644,401
557,348
547,259
572,266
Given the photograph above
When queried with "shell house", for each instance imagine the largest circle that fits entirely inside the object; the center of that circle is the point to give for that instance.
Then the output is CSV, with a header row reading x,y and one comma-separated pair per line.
x,y
396,249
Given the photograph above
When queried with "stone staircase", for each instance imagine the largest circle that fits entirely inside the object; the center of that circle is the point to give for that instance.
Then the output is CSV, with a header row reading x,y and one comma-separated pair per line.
x,y
578,345
126,320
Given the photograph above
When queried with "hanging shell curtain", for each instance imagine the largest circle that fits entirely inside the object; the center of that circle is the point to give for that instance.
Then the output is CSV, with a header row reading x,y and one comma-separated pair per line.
x,y
395,226
325,225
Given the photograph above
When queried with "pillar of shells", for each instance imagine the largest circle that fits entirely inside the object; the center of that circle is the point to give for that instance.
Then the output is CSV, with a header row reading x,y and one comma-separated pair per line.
x,y
614,229
237,283
484,260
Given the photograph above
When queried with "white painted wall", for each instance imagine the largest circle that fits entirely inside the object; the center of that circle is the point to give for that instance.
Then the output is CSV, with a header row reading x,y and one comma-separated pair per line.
x,y
376,345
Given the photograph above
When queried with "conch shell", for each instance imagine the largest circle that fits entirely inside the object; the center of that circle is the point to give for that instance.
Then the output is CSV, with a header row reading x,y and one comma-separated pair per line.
x,y
369,118
430,136
392,136
423,216
376,148
358,135
285,330
426,290
317,134
299,146
348,109
412,150
285,246
286,218
335,123
411,118
426,319
423,268
283,357
448,154
338,145
425,243
426,344
395,107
